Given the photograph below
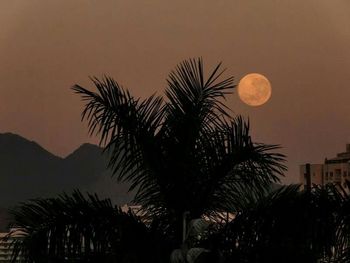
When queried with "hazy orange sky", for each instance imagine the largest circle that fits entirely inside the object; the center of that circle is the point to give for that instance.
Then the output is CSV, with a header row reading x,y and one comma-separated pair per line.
x,y
302,46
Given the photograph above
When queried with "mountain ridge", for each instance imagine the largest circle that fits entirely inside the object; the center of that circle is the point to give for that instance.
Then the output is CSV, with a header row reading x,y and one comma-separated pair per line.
x,y
27,171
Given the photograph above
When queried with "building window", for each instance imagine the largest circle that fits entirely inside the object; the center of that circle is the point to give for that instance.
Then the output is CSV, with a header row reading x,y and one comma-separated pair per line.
x,y
326,175
331,174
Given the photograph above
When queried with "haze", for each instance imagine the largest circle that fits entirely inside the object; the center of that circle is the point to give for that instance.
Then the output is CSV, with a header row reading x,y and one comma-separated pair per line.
x,y
300,45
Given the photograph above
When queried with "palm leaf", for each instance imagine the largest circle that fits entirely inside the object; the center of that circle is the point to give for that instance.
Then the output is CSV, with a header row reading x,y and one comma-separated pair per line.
x,y
78,229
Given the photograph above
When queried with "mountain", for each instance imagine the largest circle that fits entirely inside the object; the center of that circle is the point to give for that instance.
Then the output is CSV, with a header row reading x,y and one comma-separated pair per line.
x,y
29,171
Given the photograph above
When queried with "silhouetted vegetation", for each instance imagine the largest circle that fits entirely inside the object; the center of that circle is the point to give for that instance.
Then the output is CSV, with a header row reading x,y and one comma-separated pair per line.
x,y
75,228
289,225
188,160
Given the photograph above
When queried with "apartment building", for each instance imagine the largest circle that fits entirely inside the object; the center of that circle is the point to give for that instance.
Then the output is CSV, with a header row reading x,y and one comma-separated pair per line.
x,y
6,249
335,171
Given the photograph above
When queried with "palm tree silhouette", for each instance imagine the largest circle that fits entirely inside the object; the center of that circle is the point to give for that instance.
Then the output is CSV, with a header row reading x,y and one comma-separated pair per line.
x,y
184,155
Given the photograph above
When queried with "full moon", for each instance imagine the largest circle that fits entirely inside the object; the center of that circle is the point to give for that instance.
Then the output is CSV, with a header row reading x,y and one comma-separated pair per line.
x,y
254,89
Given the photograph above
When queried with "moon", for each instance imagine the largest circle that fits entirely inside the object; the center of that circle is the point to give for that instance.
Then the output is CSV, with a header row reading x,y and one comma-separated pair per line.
x,y
254,89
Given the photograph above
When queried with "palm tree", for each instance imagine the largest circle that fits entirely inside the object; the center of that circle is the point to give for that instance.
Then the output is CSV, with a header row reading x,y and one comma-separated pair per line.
x,y
289,225
183,154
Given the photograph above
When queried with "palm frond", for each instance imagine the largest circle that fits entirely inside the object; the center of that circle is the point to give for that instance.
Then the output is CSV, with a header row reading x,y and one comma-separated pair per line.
x,y
126,125
286,225
195,103
76,229
232,163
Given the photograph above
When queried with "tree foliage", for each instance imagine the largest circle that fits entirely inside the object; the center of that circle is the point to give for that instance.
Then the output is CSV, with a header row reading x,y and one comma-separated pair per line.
x,y
183,153
290,225
78,228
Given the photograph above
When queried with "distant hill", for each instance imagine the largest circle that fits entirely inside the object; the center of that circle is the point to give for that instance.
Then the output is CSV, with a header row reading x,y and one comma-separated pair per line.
x,y
29,171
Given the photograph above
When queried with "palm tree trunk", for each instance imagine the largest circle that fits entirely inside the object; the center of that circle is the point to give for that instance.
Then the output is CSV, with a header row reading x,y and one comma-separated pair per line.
x,y
184,226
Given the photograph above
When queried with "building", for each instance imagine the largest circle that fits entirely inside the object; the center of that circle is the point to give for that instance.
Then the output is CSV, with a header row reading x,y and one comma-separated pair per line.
x,y
5,251
6,248
332,171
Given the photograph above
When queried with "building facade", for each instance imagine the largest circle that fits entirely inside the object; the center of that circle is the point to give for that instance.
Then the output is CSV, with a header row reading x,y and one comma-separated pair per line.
x,y
6,249
332,171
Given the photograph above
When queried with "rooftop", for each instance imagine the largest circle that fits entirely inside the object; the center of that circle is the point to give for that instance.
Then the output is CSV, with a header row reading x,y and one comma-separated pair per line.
x,y
343,157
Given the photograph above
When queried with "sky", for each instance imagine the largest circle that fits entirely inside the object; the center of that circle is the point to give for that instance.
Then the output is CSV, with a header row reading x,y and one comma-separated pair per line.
x,y
301,46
